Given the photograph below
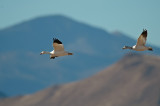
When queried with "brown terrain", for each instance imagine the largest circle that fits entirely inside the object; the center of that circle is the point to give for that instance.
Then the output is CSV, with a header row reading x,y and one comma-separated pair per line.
x,y
132,81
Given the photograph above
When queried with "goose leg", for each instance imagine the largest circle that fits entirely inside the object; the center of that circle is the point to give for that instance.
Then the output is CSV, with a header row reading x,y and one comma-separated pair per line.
x,y
52,57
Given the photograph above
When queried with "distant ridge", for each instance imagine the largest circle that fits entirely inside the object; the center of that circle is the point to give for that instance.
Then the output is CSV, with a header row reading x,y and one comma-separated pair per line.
x,y
20,62
2,95
132,81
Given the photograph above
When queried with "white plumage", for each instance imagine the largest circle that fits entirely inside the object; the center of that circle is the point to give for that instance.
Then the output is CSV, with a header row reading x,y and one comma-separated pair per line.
x,y
58,50
141,42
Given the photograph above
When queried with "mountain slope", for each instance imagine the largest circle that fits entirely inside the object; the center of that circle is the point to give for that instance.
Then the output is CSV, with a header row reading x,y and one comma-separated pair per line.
x,y
2,95
23,70
133,81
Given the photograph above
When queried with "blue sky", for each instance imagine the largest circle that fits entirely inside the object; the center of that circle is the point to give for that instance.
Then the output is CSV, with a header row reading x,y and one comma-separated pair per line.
x,y
127,16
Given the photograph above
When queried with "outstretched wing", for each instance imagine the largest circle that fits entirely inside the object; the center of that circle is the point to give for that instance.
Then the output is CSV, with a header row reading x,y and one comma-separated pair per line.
x,y
142,38
58,46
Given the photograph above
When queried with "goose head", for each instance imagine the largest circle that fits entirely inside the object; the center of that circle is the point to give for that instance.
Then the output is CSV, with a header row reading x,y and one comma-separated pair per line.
x,y
43,52
127,47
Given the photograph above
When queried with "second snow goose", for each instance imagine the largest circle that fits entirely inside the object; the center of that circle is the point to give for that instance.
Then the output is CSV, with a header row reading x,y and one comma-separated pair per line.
x,y
140,46
58,50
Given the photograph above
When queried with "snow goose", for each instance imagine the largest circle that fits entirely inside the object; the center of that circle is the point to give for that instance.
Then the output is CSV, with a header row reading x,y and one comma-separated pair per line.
x,y
140,46
58,50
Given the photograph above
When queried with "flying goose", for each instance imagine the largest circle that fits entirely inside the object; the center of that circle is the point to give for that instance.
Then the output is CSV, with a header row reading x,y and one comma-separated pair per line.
x,y
140,46
58,50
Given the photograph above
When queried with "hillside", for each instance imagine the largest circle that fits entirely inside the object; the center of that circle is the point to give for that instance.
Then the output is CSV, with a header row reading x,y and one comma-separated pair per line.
x,y
2,95
23,70
133,81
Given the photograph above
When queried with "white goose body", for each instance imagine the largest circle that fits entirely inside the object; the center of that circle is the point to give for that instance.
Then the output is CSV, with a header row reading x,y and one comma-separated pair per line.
x,y
140,46
58,50
59,53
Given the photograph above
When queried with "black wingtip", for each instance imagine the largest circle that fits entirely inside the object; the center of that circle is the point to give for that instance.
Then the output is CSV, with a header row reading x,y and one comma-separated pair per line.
x,y
144,31
55,40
